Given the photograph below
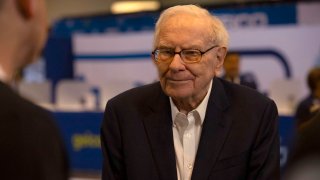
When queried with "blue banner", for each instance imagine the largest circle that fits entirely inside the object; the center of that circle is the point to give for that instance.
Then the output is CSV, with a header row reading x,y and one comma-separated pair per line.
x,y
81,132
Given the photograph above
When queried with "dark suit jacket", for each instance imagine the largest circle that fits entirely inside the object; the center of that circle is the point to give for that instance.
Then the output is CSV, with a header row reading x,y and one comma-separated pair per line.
x,y
31,147
239,139
303,112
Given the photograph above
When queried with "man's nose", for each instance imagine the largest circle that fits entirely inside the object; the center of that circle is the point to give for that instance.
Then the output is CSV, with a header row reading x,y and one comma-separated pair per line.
x,y
177,63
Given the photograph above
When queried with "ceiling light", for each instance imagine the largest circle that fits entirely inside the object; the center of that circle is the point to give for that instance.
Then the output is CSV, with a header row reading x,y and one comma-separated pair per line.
x,y
120,7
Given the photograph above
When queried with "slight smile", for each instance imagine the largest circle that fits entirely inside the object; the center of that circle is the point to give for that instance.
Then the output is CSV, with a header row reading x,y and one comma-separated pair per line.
x,y
182,81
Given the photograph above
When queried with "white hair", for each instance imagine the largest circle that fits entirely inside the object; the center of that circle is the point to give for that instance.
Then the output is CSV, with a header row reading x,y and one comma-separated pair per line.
x,y
218,32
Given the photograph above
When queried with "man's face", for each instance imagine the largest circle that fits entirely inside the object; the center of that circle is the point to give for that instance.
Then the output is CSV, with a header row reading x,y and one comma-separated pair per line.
x,y
178,79
231,66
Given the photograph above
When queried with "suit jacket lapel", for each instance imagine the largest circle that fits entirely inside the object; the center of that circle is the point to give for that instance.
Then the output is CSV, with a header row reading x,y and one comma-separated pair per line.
x,y
158,125
214,132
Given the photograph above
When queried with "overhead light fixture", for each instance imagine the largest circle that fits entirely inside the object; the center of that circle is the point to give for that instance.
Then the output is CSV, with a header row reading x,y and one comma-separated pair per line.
x,y
120,7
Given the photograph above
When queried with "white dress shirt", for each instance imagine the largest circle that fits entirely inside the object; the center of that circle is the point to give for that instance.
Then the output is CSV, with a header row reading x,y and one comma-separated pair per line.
x,y
186,135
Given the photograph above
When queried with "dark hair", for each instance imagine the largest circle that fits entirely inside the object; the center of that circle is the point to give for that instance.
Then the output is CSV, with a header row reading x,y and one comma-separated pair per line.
x,y
313,78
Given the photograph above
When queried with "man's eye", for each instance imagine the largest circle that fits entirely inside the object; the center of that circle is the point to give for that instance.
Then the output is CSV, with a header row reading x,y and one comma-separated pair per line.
x,y
191,53
166,52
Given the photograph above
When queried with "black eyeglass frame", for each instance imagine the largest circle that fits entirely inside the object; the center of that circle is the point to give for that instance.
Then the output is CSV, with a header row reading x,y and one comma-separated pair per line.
x,y
183,50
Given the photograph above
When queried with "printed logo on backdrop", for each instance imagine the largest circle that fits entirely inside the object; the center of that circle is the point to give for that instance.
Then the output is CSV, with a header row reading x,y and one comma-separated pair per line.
x,y
258,16
244,20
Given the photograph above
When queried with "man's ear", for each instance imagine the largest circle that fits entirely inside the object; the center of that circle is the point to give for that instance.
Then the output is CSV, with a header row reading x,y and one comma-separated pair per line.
x,y
26,8
220,55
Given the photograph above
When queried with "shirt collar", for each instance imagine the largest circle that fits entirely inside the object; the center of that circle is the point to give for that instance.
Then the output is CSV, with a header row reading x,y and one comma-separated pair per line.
x,y
201,109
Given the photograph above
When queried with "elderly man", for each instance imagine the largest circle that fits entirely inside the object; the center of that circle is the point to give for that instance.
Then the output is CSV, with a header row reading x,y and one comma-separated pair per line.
x,y
191,124
31,146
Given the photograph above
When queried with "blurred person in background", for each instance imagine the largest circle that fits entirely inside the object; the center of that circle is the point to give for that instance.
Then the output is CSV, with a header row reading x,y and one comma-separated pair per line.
x,y
191,124
31,146
309,106
304,159
232,72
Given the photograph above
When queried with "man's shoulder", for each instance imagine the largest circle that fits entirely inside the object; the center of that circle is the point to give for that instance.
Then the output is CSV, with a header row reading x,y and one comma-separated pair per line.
x,y
243,94
248,77
307,101
303,108
23,121
141,93
13,106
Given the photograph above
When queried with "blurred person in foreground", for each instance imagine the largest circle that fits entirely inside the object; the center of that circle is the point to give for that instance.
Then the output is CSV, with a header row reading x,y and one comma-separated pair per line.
x,y
191,124
232,73
309,106
31,146
304,159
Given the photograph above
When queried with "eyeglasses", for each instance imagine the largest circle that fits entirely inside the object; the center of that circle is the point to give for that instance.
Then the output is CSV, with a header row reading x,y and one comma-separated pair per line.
x,y
187,55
